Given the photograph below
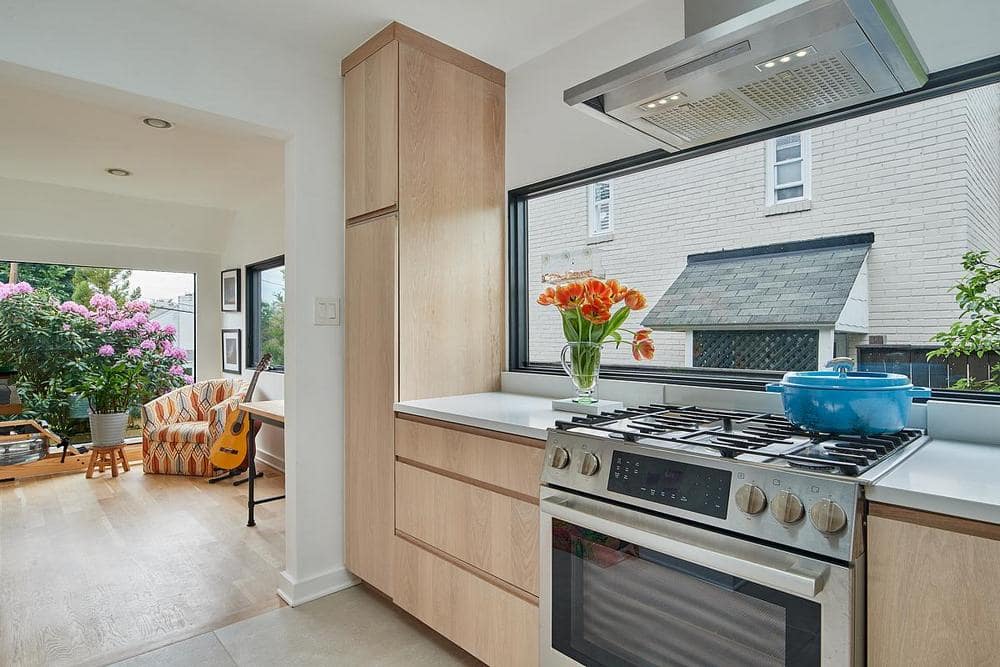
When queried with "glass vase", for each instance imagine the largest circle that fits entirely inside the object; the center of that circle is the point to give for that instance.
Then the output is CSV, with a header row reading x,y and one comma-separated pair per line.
x,y
582,362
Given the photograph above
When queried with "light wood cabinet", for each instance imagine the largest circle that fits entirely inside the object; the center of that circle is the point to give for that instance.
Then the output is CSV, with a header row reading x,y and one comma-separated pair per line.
x,y
490,530
494,622
424,136
508,462
371,133
370,373
933,587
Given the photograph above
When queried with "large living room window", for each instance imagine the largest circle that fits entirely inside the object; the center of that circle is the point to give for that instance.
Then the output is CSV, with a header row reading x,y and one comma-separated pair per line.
x,y
737,290
266,312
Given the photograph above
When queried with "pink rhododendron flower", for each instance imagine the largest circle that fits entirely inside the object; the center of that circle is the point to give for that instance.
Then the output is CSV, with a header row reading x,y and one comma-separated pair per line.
x,y
106,351
66,327
188,379
152,327
133,352
170,329
137,306
103,301
118,325
6,289
140,318
178,353
176,370
148,344
103,320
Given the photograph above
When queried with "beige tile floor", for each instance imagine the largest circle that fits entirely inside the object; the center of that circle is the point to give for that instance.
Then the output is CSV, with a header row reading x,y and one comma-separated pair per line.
x,y
352,627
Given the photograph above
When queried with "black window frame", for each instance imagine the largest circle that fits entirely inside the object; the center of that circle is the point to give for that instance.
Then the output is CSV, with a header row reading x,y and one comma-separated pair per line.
x,y
965,77
252,276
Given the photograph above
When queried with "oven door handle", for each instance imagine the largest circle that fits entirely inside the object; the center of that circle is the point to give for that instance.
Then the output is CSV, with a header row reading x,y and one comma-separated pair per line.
x,y
771,567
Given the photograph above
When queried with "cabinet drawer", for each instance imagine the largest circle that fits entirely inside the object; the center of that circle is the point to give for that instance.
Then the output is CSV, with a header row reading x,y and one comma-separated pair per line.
x,y
494,532
496,625
506,461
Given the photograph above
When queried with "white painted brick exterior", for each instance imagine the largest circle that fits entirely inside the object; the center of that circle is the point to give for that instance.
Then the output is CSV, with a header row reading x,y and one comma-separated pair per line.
x,y
924,178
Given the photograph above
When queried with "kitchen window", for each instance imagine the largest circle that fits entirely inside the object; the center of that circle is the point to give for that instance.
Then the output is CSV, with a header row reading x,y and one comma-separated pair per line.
x,y
738,295
600,212
266,312
789,166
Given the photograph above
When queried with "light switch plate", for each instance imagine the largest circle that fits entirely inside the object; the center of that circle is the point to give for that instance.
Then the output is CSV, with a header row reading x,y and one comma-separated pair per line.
x,y
326,311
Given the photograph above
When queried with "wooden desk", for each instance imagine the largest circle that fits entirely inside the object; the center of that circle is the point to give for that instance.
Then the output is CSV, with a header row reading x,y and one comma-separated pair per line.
x,y
264,412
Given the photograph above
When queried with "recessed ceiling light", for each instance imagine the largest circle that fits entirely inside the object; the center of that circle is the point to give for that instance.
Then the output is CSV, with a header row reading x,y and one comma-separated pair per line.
x,y
769,64
114,171
802,53
158,123
785,59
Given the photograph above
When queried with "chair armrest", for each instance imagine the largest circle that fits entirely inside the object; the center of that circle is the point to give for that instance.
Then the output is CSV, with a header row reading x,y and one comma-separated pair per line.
x,y
219,413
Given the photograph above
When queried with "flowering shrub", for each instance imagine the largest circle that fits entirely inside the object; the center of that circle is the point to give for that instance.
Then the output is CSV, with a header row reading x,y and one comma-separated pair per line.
x,y
132,358
114,355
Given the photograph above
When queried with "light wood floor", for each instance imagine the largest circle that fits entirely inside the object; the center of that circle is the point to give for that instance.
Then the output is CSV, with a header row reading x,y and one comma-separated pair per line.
x,y
96,570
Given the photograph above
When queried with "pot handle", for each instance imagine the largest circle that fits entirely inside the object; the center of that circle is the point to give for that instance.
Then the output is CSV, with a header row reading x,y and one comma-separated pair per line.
x,y
920,392
774,387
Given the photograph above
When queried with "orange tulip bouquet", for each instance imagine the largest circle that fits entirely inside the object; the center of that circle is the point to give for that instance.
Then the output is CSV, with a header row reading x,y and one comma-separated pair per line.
x,y
589,320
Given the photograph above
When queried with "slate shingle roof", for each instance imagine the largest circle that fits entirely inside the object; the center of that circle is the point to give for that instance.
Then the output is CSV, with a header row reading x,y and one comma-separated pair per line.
x,y
805,282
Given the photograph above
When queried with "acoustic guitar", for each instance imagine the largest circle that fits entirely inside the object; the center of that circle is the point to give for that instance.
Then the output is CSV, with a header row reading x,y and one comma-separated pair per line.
x,y
230,449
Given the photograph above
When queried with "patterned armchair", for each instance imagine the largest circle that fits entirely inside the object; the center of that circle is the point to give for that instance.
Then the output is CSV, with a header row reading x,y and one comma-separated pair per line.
x,y
180,427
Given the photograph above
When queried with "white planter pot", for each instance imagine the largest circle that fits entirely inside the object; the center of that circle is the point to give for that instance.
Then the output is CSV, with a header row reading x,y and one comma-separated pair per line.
x,y
108,429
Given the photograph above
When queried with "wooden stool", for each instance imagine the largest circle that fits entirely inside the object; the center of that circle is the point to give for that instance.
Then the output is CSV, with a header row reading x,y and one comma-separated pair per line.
x,y
101,456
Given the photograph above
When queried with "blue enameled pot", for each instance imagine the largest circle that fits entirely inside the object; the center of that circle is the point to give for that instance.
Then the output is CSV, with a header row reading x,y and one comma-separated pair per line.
x,y
847,403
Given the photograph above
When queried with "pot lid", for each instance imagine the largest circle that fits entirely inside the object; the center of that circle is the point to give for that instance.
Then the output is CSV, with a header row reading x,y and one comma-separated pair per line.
x,y
840,380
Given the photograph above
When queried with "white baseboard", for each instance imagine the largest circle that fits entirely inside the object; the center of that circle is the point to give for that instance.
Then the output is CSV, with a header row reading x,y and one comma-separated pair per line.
x,y
271,460
299,592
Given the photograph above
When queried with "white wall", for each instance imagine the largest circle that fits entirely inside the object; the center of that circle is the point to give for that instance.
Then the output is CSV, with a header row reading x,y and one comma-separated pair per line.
x,y
40,222
166,50
258,233
547,138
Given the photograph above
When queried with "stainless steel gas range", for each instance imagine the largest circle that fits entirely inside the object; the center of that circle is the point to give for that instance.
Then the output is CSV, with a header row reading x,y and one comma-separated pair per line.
x,y
678,535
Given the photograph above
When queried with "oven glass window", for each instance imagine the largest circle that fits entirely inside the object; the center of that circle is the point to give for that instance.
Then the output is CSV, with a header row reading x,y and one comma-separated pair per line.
x,y
615,603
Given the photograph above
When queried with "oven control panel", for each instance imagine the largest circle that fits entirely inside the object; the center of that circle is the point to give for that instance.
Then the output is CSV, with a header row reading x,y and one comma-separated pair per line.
x,y
691,487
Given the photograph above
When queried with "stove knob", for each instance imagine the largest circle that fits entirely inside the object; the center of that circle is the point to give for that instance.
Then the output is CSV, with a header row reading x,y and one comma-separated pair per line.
x,y
750,499
590,464
787,508
560,458
828,516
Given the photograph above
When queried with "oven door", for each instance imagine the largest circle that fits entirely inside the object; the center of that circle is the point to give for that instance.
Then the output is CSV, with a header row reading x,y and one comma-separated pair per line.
x,y
621,587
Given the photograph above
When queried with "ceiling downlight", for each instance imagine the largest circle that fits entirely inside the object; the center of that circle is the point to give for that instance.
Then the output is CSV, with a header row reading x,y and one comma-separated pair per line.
x,y
116,171
157,123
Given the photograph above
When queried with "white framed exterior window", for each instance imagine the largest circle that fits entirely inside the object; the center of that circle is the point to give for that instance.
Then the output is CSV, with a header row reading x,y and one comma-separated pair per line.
x,y
600,211
789,168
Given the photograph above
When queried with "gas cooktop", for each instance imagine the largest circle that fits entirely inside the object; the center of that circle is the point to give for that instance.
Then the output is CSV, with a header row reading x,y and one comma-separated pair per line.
x,y
745,436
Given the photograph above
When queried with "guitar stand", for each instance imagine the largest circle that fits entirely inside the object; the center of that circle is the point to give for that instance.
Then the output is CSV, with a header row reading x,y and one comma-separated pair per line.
x,y
247,478
229,474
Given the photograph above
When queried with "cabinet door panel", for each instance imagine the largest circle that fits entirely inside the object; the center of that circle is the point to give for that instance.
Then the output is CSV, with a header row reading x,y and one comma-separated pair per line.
x,y
450,228
370,390
371,130
931,595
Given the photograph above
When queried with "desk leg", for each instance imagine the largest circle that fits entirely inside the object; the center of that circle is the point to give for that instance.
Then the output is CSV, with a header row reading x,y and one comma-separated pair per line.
x,y
252,457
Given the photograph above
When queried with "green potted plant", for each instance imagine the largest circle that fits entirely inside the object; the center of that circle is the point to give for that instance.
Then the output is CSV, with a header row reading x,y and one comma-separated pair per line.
x,y
128,359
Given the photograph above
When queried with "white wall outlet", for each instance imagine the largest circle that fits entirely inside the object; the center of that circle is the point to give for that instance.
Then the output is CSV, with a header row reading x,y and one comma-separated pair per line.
x,y
326,311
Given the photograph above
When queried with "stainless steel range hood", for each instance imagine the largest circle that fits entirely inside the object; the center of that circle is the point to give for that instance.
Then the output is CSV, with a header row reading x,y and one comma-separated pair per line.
x,y
785,61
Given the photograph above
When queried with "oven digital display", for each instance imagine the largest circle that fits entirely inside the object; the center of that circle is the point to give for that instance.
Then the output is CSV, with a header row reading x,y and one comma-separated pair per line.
x,y
691,487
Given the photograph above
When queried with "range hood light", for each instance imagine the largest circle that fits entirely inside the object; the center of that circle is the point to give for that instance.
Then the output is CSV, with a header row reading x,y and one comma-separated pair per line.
x,y
800,53
662,101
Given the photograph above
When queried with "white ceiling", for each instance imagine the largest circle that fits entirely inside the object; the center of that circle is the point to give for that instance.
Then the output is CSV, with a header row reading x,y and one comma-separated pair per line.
x,y
952,32
508,33
51,138
504,33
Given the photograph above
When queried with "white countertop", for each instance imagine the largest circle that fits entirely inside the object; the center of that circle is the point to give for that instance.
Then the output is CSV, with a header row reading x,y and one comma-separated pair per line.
x,y
948,477
516,414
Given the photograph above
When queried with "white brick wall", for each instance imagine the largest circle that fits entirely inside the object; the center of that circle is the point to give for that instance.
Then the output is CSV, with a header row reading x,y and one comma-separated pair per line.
x,y
923,178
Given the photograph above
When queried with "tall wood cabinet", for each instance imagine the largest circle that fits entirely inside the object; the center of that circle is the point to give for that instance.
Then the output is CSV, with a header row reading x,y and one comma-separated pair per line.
x,y
424,190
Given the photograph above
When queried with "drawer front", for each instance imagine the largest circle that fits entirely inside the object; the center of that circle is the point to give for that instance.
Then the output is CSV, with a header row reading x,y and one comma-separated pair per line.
x,y
493,624
492,531
508,462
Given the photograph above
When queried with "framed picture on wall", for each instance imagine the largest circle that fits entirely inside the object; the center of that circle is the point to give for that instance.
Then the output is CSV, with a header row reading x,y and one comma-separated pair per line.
x,y
232,345
231,291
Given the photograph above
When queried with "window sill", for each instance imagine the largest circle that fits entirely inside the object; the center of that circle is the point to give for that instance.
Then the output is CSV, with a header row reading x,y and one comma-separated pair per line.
x,y
788,207
600,238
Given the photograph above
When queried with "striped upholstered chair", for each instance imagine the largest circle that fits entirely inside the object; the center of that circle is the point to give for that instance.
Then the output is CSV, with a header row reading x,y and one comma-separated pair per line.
x,y
180,427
